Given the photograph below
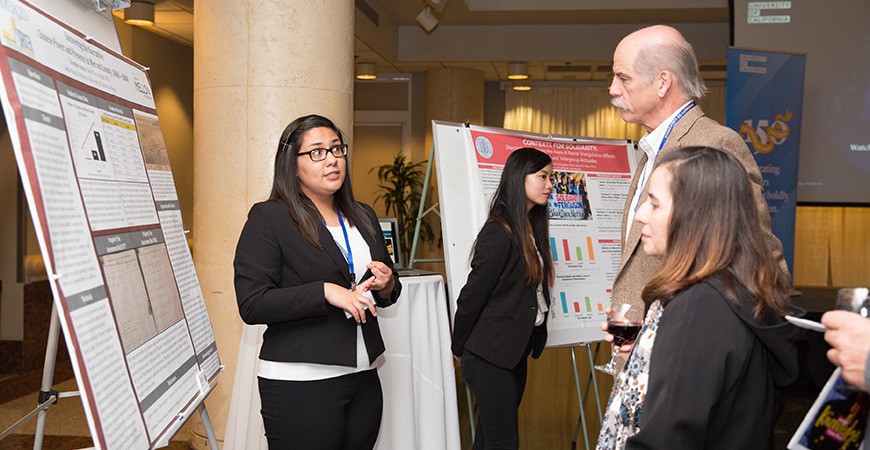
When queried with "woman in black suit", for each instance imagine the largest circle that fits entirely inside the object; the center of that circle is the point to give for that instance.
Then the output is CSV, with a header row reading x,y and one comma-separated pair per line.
x,y
312,264
501,314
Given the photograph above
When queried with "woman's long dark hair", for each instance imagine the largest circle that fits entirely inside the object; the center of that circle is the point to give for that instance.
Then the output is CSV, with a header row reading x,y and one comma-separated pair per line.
x,y
714,229
509,209
287,187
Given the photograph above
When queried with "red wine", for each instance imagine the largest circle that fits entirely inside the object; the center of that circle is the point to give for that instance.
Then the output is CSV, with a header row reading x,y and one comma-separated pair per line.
x,y
623,332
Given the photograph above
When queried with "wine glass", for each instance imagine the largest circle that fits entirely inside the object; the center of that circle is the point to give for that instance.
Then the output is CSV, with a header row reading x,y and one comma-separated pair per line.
x,y
624,331
856,299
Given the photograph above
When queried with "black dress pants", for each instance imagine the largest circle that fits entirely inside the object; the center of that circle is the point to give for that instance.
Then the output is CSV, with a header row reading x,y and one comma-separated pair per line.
x,y
342,413
498,392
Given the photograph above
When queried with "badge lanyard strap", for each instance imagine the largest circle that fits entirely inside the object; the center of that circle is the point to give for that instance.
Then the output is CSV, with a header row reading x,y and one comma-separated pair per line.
x,y
679,116
349,254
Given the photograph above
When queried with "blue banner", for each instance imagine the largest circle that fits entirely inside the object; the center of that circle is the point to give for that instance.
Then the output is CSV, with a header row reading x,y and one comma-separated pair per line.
x,y
763,103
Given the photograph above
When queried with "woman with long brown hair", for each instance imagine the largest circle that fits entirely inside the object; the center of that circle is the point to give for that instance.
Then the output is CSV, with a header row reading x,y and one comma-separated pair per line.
x,y
705,368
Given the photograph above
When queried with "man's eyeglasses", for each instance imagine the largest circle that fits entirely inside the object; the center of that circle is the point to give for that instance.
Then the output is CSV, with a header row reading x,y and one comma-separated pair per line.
x,y
319,154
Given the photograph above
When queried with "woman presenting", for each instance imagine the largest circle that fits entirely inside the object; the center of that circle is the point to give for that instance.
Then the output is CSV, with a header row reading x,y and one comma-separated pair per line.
x,y
501,312
704,370
312,265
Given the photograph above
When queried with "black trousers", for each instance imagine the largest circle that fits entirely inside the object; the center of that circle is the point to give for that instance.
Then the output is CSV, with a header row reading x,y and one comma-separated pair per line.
x,y
340,413
498,392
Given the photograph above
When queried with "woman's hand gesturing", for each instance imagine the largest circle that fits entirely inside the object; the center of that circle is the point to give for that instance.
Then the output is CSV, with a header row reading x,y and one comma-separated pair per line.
x,y
353,302
381,280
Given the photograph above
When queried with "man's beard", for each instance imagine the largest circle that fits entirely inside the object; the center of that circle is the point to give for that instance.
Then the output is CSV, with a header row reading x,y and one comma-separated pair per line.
x,y
618,103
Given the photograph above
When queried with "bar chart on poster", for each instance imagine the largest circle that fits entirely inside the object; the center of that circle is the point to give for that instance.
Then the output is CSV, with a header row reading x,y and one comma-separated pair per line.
x,y
96,174
578,306
563,250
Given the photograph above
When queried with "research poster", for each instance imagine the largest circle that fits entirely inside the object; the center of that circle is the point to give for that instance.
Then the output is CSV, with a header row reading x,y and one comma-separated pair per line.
x,y
590,181
97,178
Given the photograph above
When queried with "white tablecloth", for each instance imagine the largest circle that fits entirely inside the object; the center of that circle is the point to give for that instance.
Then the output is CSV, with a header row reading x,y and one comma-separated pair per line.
x,y
416,373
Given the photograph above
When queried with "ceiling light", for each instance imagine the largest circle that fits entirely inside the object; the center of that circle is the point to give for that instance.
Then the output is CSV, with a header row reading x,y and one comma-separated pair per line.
x,y
518,71
427,19
366,71
140,12
522,85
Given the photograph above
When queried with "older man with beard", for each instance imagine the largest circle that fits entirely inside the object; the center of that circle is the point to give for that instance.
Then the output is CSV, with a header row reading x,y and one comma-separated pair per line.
x,y
655,83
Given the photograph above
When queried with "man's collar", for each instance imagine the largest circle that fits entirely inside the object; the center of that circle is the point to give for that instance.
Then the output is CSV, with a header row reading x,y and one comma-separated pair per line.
x,y
651,141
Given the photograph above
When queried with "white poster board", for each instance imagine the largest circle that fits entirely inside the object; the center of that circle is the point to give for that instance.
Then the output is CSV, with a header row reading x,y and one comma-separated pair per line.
x,y
96,174
591,181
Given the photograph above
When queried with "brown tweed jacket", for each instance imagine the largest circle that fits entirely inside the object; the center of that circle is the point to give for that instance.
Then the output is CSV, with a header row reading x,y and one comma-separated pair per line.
x,y
636,267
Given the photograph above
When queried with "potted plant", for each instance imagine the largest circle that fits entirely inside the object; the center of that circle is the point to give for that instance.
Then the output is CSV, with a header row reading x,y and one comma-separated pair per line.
x,y
400,188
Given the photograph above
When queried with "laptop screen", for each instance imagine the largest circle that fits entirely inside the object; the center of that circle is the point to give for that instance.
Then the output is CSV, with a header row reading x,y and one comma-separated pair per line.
x,y
390,229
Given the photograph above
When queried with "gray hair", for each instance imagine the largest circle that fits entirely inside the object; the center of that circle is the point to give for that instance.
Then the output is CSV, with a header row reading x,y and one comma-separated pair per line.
x,y
676,57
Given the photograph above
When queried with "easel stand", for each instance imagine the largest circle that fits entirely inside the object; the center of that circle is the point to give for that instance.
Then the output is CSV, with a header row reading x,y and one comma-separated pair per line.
x,y
582,399
421,213
48,397
592,382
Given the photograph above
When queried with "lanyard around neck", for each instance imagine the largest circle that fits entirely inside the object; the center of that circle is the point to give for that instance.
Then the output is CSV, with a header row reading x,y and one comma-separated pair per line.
x,y
349,254
673,123
670,128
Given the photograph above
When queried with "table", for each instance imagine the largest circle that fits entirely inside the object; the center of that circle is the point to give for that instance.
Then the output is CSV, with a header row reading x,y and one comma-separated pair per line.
x,y
416,372
815,300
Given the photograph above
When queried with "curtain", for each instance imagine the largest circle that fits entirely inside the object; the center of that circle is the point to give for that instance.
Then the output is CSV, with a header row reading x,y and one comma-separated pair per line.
x,y
832,246
583,111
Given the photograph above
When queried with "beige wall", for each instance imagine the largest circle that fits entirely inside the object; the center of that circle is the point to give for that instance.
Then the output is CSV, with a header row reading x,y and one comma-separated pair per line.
x,y
406,107
171,75
12,294
381,95
373,146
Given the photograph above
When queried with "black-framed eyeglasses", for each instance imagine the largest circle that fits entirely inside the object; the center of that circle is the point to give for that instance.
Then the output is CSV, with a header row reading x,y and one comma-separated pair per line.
x,y
319,154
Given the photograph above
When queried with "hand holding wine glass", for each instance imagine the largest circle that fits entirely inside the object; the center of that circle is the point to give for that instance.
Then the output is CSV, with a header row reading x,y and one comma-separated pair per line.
x,y
623,331
614,337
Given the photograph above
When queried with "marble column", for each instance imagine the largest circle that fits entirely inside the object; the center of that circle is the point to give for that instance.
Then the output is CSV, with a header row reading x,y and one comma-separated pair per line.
x,y
257,66
453,95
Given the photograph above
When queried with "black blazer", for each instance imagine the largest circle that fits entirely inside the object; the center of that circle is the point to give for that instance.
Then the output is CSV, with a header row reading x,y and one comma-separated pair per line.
x,y
279,278
715,372
496,309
